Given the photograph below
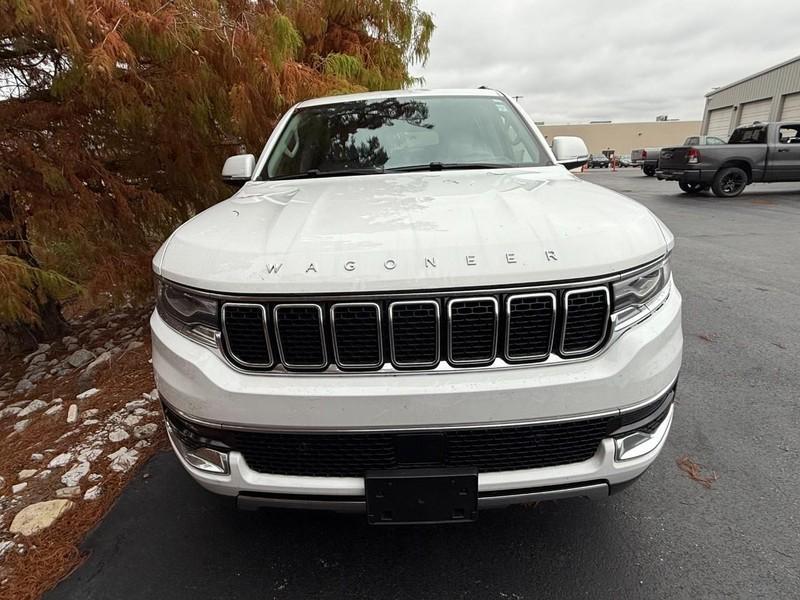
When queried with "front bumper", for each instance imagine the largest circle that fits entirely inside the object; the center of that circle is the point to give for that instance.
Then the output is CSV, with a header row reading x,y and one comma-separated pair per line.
x,y
638,367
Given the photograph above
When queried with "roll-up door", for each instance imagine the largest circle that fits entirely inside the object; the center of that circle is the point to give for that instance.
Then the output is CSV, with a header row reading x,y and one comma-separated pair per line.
x,y
755,111
791,108
719,122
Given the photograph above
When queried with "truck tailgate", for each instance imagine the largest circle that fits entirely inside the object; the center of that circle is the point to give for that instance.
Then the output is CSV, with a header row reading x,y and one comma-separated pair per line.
x,y
673,158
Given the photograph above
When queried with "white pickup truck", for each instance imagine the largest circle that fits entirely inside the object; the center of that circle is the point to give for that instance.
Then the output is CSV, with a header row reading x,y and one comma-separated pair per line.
x,y
410,308
647,158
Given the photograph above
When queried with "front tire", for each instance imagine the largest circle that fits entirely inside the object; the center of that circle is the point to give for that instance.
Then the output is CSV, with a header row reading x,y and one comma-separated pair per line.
x,y
693,188
649,171
729,182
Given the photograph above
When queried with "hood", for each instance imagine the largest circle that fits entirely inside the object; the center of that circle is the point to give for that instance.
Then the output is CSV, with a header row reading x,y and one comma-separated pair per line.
x,y
410,231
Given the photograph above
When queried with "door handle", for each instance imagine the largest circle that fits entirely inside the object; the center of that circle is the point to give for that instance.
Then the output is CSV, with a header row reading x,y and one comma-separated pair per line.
x,y
783,149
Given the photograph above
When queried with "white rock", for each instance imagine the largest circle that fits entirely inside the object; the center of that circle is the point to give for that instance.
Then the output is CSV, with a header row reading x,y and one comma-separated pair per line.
x,y
132,420
39,358
37,456
36,517
90,455
117,453
18,487
56,408
134,404
140,412
141,444
57,401
124,461
5,547
44,474
26,474
75,474
94,477
32,407
93,493
118,435
88,414
72,413
91,422
145,431
60,460
23,386
72,491
134,345
154,395
9,411
22,425
87,394
2,483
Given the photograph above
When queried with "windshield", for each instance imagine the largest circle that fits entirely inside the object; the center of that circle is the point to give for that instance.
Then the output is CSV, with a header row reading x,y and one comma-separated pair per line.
x,y
375,136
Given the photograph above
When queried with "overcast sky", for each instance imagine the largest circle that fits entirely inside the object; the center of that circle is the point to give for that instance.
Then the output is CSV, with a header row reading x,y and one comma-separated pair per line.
x,y
576,61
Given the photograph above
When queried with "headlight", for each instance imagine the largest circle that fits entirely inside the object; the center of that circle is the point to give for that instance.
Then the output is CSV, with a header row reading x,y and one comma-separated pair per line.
x,y
635,296
191,314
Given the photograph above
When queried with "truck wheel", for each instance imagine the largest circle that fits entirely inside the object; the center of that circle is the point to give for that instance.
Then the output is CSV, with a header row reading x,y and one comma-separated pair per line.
x,y
649,171
693,188
729,182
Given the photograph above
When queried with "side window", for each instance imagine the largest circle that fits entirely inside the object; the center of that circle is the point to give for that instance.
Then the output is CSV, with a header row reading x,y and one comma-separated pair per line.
x,y
714,140
789,134
692,141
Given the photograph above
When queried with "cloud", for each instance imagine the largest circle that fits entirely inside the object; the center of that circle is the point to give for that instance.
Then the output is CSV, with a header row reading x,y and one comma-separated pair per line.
x,y
587,60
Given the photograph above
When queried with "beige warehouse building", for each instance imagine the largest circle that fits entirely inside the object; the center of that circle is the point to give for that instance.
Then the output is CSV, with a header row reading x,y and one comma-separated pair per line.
x,y
624,137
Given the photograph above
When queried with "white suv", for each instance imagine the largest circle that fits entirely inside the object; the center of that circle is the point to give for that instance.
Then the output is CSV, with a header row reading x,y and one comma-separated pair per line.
x,y
411,308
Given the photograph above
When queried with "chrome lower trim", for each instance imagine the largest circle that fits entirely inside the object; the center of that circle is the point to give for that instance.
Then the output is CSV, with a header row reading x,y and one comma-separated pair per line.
x,y
485,502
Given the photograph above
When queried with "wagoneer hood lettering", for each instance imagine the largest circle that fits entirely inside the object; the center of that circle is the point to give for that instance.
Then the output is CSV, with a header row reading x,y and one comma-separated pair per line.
x,y
403,231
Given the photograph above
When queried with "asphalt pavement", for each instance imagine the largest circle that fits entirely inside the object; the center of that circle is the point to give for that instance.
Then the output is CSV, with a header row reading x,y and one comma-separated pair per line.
x,y
737,263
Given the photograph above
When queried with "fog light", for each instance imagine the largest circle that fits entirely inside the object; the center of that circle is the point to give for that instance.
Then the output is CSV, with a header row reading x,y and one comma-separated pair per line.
x,y
207,459
639,443
202,458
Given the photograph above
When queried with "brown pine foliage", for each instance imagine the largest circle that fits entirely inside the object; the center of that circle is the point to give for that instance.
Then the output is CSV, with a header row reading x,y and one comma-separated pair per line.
x,y
116,115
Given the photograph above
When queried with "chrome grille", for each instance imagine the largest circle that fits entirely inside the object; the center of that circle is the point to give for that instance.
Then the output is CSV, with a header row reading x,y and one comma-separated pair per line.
x,y
357,335
585,320
472,332
365,334
414,333
301,340
530,325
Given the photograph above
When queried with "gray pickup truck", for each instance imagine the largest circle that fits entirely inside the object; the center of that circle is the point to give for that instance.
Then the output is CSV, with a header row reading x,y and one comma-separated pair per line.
x,y
758,153
647,158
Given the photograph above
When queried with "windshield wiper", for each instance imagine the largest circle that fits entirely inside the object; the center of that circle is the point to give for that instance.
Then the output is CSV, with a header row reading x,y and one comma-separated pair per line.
x,y
335,173
438,166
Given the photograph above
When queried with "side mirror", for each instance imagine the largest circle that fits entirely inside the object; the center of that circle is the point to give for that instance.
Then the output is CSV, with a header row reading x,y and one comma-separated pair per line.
x,y
238,169
570,151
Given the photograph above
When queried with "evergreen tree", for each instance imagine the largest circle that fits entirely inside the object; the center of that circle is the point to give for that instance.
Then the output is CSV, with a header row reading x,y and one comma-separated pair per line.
x,y
116,115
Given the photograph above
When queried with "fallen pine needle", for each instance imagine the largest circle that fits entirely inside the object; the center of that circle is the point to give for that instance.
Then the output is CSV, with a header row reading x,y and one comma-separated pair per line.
x,y
694,471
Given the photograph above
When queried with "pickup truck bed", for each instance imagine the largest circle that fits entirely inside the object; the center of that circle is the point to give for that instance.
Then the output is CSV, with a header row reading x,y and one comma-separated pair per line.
x,y
767,152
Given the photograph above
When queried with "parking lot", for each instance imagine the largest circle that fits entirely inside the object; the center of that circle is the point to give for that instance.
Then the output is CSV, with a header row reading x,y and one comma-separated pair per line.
x,y
737,263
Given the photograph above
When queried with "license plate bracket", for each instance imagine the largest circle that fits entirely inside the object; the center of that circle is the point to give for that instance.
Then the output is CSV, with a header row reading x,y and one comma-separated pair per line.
x,y
411,496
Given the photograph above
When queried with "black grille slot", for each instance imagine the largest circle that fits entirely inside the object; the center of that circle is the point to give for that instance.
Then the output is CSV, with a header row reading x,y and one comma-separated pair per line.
x,y
487,449
357,335
245,334
586,320
300,338
473,330
531,320
415,333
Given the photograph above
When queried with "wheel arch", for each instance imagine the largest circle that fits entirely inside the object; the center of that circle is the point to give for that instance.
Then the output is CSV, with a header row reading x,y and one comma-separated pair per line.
x,y
742,163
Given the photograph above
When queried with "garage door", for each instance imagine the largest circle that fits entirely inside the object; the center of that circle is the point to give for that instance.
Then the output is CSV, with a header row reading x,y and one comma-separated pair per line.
x,y
791,108
719,122
755,111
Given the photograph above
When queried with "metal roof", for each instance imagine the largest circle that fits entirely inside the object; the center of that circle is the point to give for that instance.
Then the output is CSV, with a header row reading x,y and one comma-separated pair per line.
x,y
753,76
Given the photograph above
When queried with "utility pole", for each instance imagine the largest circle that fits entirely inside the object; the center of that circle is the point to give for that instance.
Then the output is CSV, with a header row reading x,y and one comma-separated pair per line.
x,y
517,98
